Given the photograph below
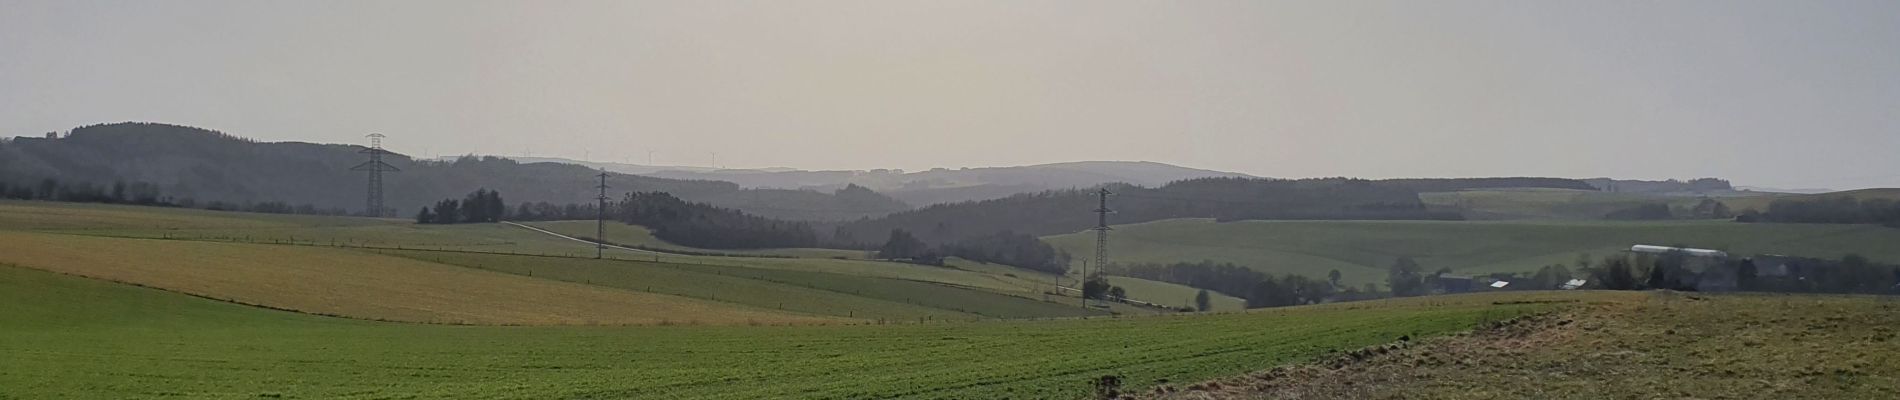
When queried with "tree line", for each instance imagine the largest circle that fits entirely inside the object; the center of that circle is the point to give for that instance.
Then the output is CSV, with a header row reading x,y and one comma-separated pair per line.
x,y
670,218
1258,288
1676,271
1829,210
142,194
481,205
1006,247
1066,211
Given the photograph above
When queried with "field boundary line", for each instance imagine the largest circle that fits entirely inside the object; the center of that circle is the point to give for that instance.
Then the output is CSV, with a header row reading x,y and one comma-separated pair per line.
x,y
601,243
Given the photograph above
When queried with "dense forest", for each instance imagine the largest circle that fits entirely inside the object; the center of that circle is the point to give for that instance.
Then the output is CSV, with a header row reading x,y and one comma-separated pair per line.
x,y
1065,211
143,194
1829,210
1007,248
1698,185
680,222
705,226
209,166
482,205
1260,289
1423,185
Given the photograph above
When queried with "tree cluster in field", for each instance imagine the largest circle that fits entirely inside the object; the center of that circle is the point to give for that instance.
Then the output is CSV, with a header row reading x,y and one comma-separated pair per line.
x,y
1676,271
705,226
1096,287
1260,289
1067,211
142,194
1007,248
1705,209
480,206
1697,185
670,218
1829,210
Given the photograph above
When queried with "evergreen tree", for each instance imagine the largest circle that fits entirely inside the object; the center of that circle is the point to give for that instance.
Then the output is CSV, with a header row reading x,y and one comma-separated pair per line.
x,y
1746,275
1203,302
901,245
425,217
1405,278
448,211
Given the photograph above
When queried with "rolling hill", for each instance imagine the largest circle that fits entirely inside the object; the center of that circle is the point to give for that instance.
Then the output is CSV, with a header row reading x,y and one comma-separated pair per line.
x,y
934,186
1363,250
390,269
207,166
1760,203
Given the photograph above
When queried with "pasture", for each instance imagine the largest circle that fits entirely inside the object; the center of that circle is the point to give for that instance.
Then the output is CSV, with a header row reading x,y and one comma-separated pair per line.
x,y
361,285
66,336
1527,203
1363,250
1761,203
346,263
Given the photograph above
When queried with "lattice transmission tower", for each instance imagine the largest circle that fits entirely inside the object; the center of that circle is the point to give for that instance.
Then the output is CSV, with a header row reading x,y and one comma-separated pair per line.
x,y
373,206
600,217
1101,231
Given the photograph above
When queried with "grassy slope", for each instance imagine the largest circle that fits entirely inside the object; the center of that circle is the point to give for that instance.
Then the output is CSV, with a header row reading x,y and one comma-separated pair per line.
x,y
1499,204
1174,295
359,285
804,286
640,236
70,337
124,221
1655,346
1361,250
792,290
1761,203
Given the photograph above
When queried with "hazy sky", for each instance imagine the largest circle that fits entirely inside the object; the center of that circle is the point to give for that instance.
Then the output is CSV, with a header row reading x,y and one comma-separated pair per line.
x,y
1779,93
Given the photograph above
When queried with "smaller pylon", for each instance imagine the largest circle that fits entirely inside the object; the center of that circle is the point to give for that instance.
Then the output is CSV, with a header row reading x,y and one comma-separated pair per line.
x,y
600,218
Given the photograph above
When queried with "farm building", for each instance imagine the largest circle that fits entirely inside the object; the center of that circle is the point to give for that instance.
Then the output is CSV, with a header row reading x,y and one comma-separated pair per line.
x,y
1448,283
1692,252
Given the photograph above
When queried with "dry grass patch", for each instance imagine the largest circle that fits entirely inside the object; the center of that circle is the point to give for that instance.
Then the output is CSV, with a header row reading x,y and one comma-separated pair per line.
x,y
362,285
1655,345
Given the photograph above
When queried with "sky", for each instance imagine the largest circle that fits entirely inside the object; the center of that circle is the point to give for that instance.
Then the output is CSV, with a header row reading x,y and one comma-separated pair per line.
x,y
1791,94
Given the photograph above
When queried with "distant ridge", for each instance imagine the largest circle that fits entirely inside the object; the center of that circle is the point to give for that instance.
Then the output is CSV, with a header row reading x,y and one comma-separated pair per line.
x,y
933,186
207,165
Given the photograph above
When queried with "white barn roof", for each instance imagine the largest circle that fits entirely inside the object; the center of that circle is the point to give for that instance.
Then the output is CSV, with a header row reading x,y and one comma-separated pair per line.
x,y
1644,248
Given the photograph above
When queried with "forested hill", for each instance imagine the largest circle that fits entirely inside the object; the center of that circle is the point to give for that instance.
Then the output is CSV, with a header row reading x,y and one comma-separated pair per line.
x,y
204,166
1065,211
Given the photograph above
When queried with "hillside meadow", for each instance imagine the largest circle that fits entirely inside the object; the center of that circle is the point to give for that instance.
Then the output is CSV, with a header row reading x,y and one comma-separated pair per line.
x,y
1363,250
361,285
338,248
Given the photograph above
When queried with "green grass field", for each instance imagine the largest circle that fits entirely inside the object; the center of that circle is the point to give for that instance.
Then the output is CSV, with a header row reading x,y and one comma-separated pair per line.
x,y
807,292
358,284
69,337
1362,250
1760,203
1510,204
640,237
250,258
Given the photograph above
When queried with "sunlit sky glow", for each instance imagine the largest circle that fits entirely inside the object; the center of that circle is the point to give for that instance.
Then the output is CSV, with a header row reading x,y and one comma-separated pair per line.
x,y
1771,93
